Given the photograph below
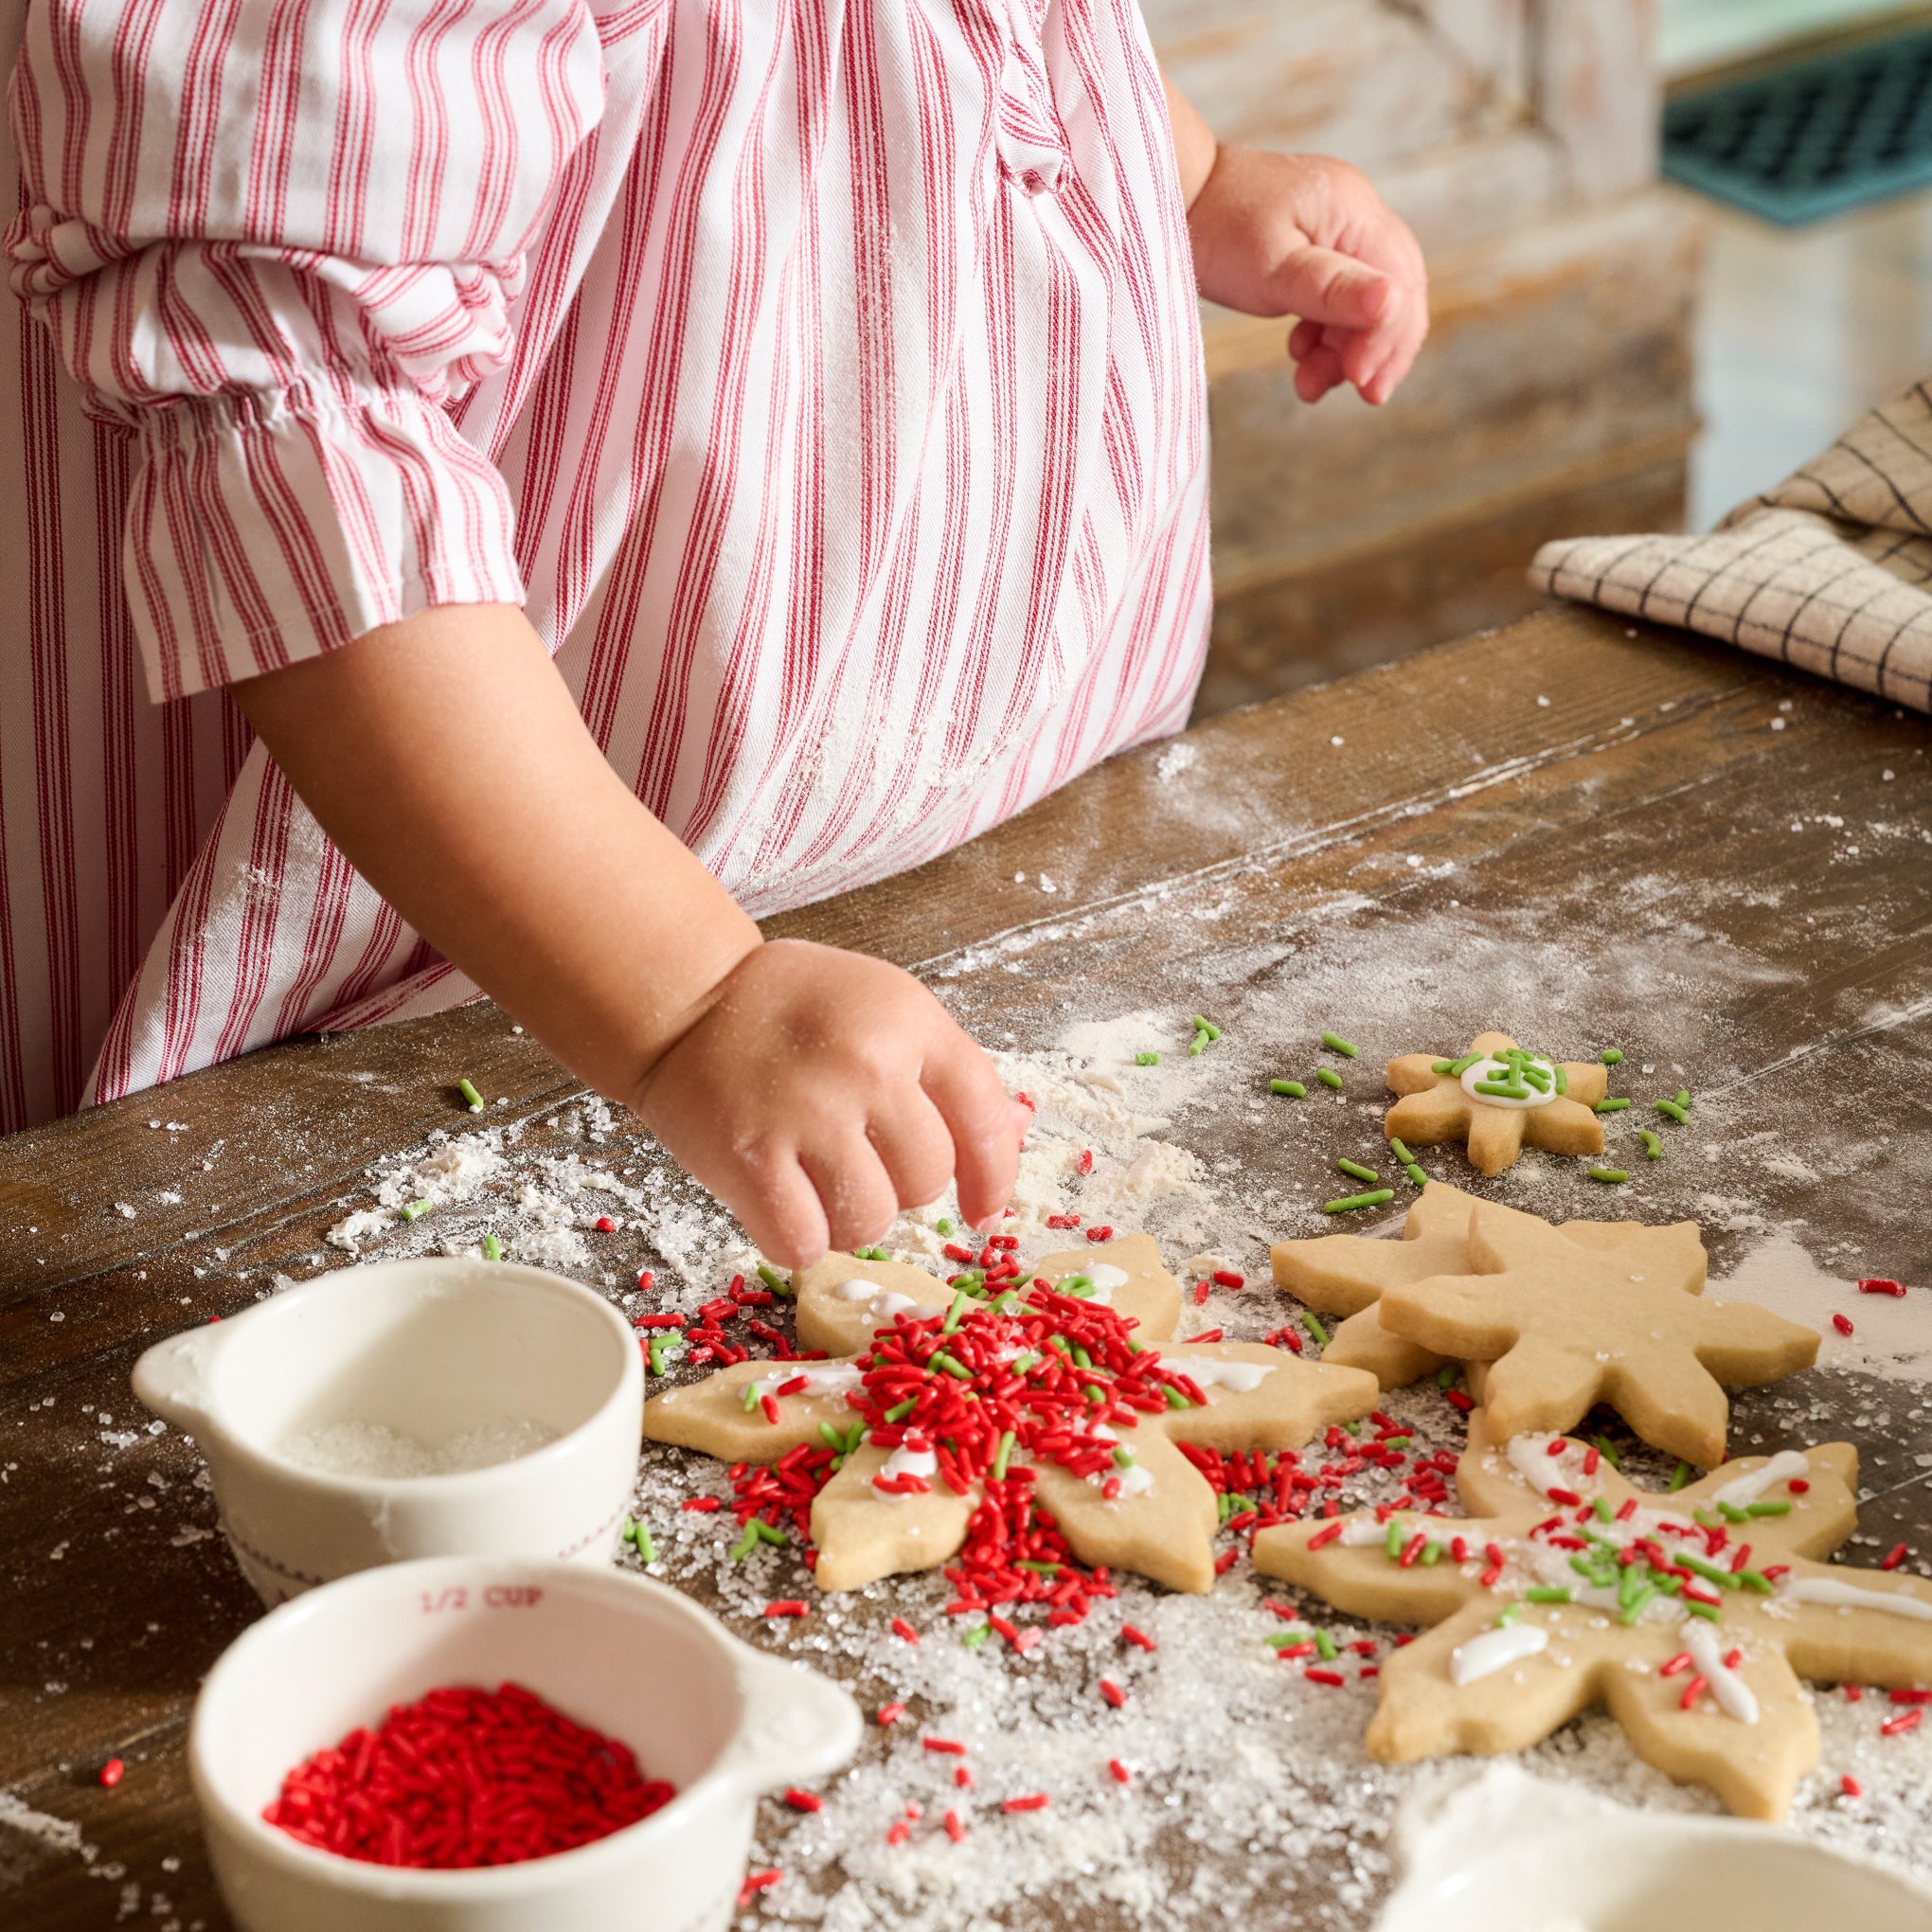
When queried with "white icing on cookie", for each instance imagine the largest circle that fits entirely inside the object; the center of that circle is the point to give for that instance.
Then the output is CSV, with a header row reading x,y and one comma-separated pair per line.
x,y
906,1461
1530,1458
1206,1371
1493,1069
821,1378
1734,1696
887,1304
1831,1592
1495,1650
1105,1278
1747,1489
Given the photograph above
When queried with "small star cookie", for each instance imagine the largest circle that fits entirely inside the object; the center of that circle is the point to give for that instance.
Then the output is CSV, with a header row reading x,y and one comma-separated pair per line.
x,y
1565,1325
1346,1274
1691,1616
1039,1403
1498,1098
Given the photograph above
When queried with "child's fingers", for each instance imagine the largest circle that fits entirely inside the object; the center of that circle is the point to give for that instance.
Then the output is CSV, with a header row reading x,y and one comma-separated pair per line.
x,y
1320,285
981,1120
1320,371
780,1211
854,1190
915,1146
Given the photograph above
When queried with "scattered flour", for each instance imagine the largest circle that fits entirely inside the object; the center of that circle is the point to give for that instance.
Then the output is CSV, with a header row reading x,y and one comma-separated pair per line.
x,y
374,1449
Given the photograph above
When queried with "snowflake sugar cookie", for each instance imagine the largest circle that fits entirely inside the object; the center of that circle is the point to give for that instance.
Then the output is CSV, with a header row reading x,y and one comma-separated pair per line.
x,y
1565,1325
1692,1616
1498,1098
1015,1425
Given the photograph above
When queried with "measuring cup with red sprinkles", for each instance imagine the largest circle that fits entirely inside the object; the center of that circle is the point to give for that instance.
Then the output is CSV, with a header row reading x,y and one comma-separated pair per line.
x,y
464,1777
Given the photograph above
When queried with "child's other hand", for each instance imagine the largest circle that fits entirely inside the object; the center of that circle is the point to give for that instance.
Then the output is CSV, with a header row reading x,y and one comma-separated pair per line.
x,y
819,1092
1306,236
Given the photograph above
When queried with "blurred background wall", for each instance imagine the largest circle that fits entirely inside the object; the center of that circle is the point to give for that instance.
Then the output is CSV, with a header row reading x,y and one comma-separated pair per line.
x,y
1587,315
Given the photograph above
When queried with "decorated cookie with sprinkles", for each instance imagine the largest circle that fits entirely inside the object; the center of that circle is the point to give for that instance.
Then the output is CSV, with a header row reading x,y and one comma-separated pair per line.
x,y
1690,1616
1498,1098
1566,1323
1346,1274
1020,1427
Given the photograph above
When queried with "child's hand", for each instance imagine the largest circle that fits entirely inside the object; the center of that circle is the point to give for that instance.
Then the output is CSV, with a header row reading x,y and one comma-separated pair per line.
x,y
820,1092
1303,235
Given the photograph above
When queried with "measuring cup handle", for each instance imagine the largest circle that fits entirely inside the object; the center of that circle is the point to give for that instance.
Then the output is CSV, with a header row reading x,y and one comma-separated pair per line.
x,y
799,1726
171,1377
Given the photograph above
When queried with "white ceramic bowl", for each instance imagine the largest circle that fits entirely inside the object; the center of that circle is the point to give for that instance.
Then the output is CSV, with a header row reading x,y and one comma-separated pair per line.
x,y
1653,1873
612,1650
429,1349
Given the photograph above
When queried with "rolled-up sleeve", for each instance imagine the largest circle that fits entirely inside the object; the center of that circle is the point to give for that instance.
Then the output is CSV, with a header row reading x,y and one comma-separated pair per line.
x,y
272,240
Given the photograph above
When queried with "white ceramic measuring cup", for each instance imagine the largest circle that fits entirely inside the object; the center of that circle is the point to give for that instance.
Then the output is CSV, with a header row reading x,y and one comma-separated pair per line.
x,y
429,1349
1510,1853
611,1650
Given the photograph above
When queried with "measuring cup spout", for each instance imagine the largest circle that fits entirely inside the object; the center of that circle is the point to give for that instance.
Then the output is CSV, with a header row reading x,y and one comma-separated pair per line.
x,y
172,1378
798,1726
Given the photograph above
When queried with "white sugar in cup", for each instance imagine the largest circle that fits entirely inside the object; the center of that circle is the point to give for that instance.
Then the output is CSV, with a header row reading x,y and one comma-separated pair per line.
x,y
615,1650
440,1350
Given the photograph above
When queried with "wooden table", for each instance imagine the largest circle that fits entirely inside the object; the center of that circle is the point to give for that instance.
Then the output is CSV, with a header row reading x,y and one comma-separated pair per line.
x,y
1636,837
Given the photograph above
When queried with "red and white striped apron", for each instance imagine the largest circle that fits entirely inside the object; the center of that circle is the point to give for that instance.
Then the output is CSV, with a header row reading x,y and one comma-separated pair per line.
x,y
823,375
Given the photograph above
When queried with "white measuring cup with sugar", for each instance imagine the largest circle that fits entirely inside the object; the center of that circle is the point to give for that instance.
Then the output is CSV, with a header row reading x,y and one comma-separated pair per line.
x,y
630,1658
430,1349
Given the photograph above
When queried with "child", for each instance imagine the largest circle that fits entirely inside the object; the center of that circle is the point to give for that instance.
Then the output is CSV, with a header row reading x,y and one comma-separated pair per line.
x,y
633,468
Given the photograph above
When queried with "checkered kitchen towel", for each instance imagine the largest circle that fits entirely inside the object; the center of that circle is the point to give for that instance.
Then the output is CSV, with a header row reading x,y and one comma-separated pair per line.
x,y
1831,571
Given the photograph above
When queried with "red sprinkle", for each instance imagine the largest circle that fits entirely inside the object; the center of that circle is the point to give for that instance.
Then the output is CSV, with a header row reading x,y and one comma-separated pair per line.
x,y
889,1713
1680,1662
1289,1652
1120,1773
899,1834
946,1747
1895,1556
1141,1637
1911,1697
1318,1676
1100,1234
1557,1447
902,1628
1692,1692
1850,1786
1226,1278
646,1280
789,1606
1799,1486
1062,1221
1877,1284
804,1800
954,1830
1904,1721
1199,1293
1116,1697
1085,1162
1034,1800
112,1772
463,1777
1855,1693
605,1225
1321,1538
702,1506
1457,1400
1212,1334
962,1777
757,1882
1842,1323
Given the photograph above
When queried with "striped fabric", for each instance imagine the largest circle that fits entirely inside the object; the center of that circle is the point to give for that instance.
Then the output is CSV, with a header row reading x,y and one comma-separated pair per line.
x,y
823,375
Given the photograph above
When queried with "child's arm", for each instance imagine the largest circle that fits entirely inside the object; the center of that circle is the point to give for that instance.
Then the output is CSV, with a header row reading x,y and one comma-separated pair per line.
x,y
1306,236
814,1091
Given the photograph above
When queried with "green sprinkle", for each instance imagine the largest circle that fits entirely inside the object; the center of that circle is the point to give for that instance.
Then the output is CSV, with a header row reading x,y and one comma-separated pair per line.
x,y
1224,1506
1562,1078
1612,1056
1315,1329
1446,1375
1416,1174
1175,1399
1732,1513
1710,1612
750,1395
1753,1580
493,1248
1669,1585
1628,1584
901,1410
1683,1098
1283,1639
1546,1593
1601,1506
417,1210
1641,1598
944,1361
1199,1046
1357,1171
1508,1615
1441,1066
1392,1541
1608,1450
1147,1060
1612,1174
1336,1044
1207,1027
770,1276
976,1635
647,1550
1613,1104
1401,1152
1679,1476
770,1532
1079,1286
1325,1646
470,1094
1081,1358
1708,1571
1035,1564
1778,1509
1671,1108
1351,1428
1123,1457
961,1302
1652,1147
1329,1077
943,1225
1293,1088
1348,1201
830,1436
1458,1067
744,1545
1432,1552
1590,1569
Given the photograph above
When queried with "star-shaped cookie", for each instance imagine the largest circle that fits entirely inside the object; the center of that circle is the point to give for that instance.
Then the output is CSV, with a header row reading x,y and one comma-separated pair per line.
x,y
1047,1398
1691,1616
1499,1099
1565,1325
1346,1275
